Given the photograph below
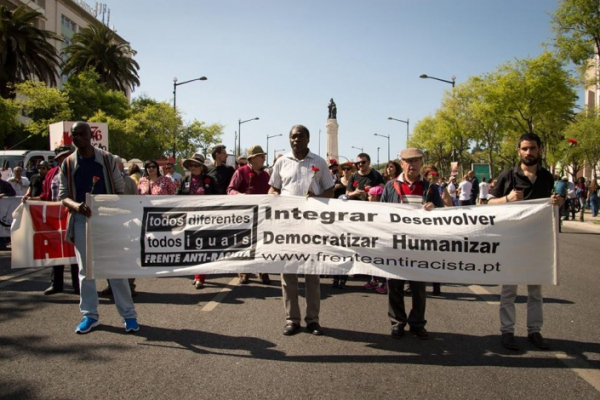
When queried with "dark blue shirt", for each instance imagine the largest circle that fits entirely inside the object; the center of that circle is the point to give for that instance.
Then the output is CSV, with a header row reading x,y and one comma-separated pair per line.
x,y
87,169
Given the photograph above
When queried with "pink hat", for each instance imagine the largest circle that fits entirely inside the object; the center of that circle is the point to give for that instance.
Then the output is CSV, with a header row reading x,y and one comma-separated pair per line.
x,y
376,191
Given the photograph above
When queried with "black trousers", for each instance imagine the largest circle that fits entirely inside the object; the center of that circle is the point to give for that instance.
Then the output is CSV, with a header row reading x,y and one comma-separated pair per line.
x,y
396,309
58,273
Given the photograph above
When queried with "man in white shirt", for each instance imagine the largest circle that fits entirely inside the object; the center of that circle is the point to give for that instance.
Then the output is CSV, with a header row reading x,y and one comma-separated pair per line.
x,y
301,173
19,182
483,191
169,170
464,191
452,190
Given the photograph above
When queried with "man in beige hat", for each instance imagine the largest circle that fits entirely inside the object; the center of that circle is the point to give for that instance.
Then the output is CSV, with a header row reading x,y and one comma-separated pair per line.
x,y
251,179
410,187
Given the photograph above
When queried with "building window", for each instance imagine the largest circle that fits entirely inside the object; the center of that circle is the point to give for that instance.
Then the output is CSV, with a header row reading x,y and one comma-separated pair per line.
x,y
68,26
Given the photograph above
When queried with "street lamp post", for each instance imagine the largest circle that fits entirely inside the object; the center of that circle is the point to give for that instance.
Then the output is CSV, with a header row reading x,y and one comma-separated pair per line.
x,y
240,122
407,122
175,84
275,154
269,137
388,138
362,149
378,156
452,82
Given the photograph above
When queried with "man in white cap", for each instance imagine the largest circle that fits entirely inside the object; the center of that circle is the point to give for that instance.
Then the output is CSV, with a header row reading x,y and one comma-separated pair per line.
x,y
410,188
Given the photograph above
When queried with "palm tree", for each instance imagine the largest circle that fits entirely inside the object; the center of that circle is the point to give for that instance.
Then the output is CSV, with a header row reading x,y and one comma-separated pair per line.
x,y
96,47
25,51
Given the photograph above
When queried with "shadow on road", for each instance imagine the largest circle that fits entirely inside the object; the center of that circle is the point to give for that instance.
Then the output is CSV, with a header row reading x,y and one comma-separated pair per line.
x,y
443,349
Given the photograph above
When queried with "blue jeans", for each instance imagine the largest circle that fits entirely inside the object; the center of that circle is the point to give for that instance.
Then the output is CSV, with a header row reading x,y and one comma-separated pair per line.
x,y
88,303
594,205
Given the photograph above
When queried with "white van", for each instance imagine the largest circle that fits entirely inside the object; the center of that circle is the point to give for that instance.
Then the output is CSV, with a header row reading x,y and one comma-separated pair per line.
x,y
12,158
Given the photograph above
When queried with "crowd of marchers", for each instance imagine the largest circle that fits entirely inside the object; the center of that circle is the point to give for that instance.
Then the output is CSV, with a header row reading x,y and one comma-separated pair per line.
x,y
84,169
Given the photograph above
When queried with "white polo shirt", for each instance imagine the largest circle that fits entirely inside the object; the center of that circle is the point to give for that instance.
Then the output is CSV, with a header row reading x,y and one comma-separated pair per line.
x,y
295,177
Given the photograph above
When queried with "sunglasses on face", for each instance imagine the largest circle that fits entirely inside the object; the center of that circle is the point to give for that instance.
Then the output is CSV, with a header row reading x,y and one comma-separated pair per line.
x,y
151,167
360,162
346,169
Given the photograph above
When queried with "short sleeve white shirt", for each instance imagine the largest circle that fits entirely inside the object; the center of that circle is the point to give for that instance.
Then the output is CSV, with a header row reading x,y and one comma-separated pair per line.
x,y
295,177
483,190
465,190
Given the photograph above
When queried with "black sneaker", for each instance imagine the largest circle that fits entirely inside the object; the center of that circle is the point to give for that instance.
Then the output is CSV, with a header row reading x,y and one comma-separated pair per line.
x,y
291,328
508,341
314,328
107,291
52,290
538,341
397,331
421,333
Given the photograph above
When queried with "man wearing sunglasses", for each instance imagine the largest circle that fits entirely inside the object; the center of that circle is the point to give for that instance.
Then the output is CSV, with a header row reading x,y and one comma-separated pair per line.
x,y
169,170
37,180
362,180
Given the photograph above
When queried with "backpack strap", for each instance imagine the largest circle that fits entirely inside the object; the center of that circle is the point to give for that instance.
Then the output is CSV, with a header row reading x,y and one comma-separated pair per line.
x,y
398,188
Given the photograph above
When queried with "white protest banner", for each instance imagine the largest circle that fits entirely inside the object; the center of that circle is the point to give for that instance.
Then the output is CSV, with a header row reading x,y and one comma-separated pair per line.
x,y
38,236
60,134
7,206
134,236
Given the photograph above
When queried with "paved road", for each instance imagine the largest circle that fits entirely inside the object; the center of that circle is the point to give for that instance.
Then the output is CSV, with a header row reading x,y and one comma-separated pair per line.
x,y
225,341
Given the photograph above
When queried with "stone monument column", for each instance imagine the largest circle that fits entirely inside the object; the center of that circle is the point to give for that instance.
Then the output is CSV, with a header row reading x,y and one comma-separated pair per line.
x,y
332,132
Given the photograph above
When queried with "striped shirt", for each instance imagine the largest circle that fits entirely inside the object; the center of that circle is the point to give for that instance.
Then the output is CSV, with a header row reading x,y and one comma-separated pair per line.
x,y
295,177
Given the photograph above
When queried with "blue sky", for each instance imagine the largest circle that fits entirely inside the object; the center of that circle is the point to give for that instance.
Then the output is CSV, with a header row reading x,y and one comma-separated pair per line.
x,y
283,60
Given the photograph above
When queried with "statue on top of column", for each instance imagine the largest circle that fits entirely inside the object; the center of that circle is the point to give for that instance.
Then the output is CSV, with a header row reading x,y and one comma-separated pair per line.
x,y
332,109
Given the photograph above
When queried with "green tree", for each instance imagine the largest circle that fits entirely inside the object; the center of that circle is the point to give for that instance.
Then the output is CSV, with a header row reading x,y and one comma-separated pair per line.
x,y
576,25
8,119
150,130
43,105
87,96
538,96
429,135
199,137
25,51
98,48
119,141
586,130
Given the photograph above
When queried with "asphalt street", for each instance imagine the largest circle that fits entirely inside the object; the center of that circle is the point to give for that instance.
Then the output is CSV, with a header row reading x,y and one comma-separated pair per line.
x,y
226,341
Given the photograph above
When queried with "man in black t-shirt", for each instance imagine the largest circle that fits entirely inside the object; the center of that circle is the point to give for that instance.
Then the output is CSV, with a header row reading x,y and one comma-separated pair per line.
x,y
528,181
36,181
365,177
220,172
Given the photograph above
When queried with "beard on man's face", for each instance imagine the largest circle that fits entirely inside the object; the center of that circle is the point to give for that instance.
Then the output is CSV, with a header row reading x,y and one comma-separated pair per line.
x,y
529,161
